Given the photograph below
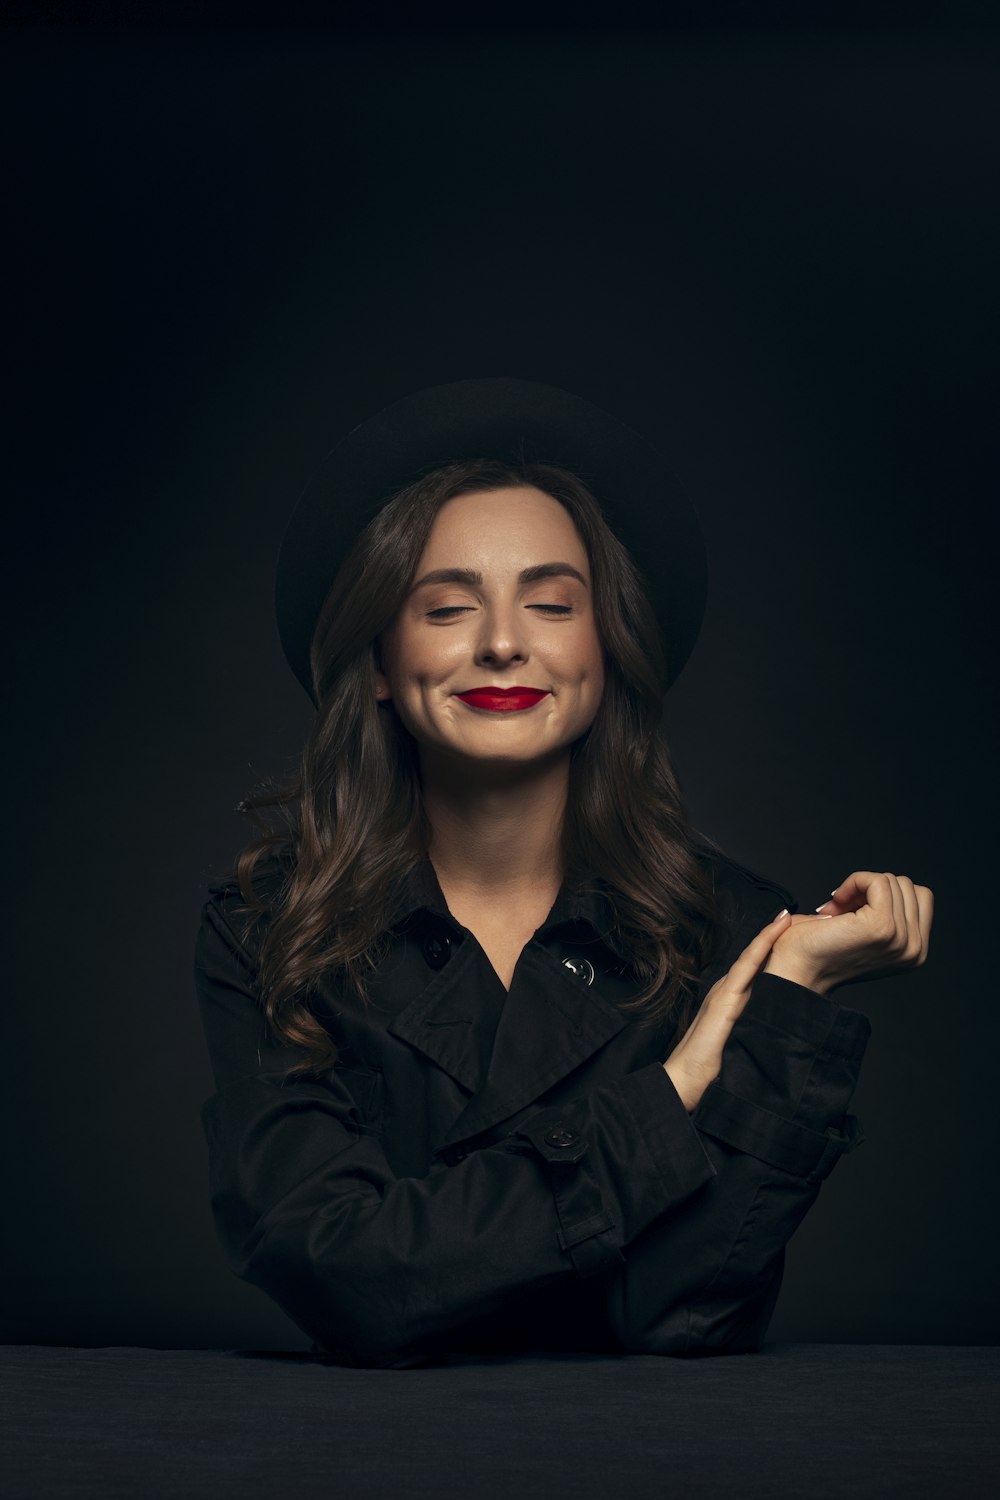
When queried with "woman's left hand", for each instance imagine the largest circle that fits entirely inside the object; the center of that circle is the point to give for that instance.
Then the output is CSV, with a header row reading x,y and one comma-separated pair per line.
x,y
874,925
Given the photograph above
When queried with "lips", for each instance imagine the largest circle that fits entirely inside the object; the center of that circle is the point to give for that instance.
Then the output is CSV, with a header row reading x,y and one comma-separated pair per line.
x,y
503,700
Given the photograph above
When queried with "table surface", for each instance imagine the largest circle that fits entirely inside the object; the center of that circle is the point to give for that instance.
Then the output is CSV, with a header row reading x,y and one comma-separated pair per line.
x,y
795,1420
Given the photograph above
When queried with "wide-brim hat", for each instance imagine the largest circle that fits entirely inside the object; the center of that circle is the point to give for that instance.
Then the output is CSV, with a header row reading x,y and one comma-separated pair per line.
x,y
520,421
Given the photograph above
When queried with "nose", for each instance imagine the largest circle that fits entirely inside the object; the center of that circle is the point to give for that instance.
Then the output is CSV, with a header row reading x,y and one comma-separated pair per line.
x,y
501,635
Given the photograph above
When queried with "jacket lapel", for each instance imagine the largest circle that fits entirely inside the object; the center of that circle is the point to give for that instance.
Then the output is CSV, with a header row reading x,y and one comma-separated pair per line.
x,y
506,1049
448,1026
551,1023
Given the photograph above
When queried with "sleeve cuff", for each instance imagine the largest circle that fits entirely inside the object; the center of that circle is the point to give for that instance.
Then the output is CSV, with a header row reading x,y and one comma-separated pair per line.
x,y
789,1069
807,1015
667,1130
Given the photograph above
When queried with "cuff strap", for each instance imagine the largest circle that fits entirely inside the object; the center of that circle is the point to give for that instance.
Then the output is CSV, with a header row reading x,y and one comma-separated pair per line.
x,y
781,1143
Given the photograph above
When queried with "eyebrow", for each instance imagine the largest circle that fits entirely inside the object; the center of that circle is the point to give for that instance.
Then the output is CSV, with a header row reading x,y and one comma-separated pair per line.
x,y
526,575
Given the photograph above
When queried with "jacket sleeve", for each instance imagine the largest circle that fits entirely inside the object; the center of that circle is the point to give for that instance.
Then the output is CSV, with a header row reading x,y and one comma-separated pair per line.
x,y
374,1267
774,1124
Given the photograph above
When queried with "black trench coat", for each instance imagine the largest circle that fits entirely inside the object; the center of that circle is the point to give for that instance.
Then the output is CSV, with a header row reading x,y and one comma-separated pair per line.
x,y
492,1172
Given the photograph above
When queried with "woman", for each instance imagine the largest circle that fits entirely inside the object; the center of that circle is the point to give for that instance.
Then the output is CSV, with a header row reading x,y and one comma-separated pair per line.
x,y
509,1056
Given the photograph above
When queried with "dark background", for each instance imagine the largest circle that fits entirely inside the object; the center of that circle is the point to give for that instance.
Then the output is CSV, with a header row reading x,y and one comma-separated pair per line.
x,y
764,238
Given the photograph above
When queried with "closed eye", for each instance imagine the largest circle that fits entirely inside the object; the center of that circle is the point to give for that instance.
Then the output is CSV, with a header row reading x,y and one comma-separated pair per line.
x,y
451,609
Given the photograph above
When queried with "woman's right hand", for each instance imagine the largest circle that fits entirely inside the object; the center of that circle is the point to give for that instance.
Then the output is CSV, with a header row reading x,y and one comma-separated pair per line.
x,y
696,1061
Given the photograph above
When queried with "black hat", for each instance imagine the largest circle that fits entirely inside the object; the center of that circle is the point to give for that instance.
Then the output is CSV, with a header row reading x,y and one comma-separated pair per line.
x,y
518,421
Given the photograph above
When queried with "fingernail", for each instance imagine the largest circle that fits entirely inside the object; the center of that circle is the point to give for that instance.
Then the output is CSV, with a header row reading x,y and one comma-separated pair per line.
x,y
782,913
822,904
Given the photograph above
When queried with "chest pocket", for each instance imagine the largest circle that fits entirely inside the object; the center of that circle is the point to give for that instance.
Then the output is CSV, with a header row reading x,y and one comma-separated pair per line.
x,y
366,1087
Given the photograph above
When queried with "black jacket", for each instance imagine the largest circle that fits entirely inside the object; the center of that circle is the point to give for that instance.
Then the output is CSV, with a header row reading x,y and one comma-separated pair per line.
x,y
494,1172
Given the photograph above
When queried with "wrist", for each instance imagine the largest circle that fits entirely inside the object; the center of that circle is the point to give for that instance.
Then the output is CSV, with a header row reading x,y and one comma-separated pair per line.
x,y
681,1088
800,974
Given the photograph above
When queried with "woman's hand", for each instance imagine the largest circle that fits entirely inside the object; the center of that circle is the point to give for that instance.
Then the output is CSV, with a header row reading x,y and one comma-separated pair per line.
x,y
697,1059
874,925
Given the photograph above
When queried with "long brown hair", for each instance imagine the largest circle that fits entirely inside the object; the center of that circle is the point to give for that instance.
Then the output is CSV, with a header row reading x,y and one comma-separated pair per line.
x,y
354,816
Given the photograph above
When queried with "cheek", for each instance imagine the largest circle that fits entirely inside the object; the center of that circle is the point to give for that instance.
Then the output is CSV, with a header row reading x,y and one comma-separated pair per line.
x,y
581,667
592,661
421,661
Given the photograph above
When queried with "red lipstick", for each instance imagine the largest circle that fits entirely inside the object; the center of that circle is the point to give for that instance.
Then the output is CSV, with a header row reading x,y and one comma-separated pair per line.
x,y
503,700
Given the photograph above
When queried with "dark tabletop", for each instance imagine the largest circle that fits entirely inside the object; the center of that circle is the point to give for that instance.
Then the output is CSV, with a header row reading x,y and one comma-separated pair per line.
x,y
802,1420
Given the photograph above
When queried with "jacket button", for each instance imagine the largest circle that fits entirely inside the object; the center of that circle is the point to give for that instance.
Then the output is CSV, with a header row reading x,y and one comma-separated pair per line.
x,y
437,950
582,967
561,1135
459,1156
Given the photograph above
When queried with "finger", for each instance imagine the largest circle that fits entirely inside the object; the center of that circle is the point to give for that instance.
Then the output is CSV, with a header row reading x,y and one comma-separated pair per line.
x,y
914,940
925,904
860,889
744,970
881,904
899,938
850,894
925,908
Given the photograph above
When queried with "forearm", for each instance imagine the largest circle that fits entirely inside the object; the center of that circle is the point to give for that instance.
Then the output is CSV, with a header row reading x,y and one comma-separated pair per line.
x,y
376,1267
705,1279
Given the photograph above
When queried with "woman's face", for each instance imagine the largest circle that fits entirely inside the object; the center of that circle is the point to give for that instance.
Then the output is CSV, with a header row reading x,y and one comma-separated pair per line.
x,y
499,628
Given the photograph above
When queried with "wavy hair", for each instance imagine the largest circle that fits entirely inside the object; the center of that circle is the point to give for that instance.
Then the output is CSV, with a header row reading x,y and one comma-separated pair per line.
x,y
353,815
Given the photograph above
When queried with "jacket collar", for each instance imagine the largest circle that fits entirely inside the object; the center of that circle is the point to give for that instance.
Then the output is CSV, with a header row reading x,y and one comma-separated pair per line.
x,y
511,1052
579,900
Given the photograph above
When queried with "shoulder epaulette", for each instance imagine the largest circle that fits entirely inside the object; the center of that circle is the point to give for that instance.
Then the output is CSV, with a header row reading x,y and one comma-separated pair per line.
x,y
269,872
714,853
